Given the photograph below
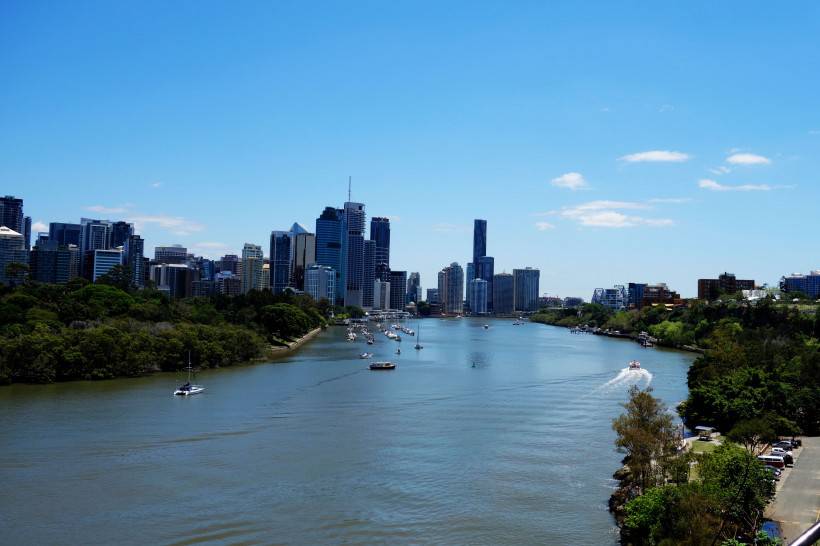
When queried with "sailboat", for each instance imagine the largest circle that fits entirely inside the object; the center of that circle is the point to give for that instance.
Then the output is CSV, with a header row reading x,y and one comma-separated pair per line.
x,y
188,389
418,346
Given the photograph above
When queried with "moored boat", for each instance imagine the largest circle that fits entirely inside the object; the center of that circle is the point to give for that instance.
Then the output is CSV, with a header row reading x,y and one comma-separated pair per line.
x,y
189,389
382,366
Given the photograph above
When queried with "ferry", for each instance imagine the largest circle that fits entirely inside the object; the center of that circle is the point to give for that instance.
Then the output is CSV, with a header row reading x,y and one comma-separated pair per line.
x,y
381,366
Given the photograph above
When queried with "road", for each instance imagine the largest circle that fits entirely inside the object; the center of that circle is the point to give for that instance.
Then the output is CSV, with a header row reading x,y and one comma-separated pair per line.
x,y
797,504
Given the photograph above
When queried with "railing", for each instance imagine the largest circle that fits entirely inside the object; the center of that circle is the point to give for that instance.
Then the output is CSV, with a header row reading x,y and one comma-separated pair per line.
x,y
809,537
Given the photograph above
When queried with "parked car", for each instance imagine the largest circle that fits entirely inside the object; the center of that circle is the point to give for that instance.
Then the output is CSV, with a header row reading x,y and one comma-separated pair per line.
x,y
776,472
787,455
780,450
772,460
784,444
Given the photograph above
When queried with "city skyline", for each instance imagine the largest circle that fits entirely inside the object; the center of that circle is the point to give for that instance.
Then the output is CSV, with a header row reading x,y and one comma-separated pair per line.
x,y
582,167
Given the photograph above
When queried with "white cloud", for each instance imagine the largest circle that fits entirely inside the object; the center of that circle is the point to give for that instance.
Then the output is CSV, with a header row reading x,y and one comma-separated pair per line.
x,y
543,226
573,181
711,185
106,210
720,170
671,200
814,131
747,159
606,109
39,226
156,184
665,108
393,217
606,214
655,156
175,224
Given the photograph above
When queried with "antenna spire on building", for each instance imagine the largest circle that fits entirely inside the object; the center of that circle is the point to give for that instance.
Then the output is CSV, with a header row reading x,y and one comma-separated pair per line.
x,y
349,184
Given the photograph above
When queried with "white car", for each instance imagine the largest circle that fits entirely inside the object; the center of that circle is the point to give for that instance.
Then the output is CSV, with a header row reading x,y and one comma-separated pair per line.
x,y
781,451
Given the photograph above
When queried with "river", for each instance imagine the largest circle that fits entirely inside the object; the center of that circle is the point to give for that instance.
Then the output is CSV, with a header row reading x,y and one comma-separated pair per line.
x,y
486,436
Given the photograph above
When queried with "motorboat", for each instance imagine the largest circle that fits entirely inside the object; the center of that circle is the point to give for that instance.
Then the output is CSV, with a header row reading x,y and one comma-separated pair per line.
x,y
366,355
634,365
382,366
486,326
189,389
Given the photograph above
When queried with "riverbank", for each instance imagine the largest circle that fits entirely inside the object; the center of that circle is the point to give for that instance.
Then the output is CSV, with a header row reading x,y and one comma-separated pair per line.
x,y
289,347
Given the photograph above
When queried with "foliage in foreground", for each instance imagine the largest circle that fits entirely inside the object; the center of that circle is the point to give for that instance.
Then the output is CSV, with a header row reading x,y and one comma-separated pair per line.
x,y
97,331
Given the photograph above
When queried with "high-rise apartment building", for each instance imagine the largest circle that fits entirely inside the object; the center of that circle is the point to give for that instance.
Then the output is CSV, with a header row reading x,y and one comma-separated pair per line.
x,y
27,232
134,248
229,263
304,255
252,260
479,239
478,294
329,244
485,270
381,295
228,284
320,282
174,254
432,296
280,260
101,261
53,263
12,251
526,289
503,294
65,234
266,282
353,252
176,280
398,285
414,293
11,214
380,234
451,289
120,232
369,274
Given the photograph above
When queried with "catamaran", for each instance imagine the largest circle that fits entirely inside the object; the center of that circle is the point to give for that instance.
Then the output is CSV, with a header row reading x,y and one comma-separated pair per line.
x,y
189,389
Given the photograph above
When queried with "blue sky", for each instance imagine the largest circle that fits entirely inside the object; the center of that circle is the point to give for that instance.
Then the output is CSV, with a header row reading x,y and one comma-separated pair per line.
x,y
604,142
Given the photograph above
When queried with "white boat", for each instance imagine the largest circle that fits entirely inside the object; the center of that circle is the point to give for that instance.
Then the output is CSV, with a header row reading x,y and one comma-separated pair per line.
x,y
379,366
366,355
189,389
486,326
418,346
634,365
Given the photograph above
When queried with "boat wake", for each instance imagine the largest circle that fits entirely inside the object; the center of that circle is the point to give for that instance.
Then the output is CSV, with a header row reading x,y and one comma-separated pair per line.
x,y
628,377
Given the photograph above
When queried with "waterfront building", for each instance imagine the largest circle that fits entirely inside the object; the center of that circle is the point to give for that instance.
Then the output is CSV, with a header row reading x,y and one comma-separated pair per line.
x,y
614,298
11,215
503,294
329,244
353,252
65,234
176,280
12,251
53,263
174,254
102,261
229,263
414,293
727,283
659,294
380,234
573,302
252,260
381,295
485,270
228,284
479,239
120,232
451,289
134,249
478,292
369,275
280,261
398,292
469,275
320,282
266,282
804,284
304,255
634,292
550,302
526,283
432,296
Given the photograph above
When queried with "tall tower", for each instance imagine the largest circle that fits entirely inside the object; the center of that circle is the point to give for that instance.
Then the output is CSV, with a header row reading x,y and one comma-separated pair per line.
x,y
353,250
380,233
329,245
479,239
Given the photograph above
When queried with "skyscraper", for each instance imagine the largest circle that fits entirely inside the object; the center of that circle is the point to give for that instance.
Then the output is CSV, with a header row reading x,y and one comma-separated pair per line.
x,y
369,273
280,255
304,254
381,295
134,248
95,235
252,260
27,232
320,282
485,269
353,252
451,289
120,232
53,263
479,239
398,290
12,251
329,244
101,261
478,294
526,289
65,234
414,287
503,294
11,214
380,233
174,254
